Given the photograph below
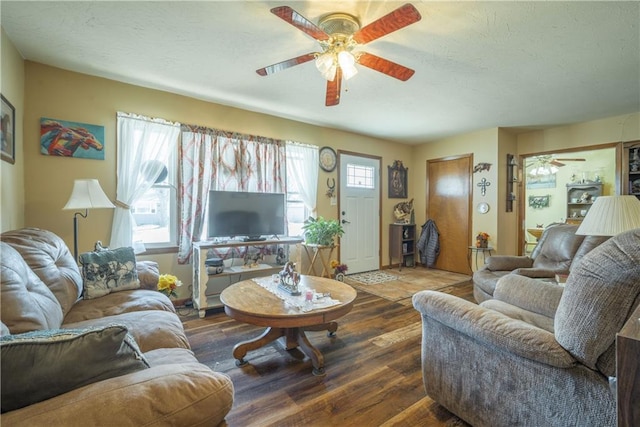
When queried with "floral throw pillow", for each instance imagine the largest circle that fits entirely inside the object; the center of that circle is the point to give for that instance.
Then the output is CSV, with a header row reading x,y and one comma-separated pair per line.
x,y
108,271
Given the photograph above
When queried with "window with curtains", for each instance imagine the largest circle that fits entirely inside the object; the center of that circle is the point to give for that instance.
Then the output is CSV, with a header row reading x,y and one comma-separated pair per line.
x,y
146,208
179,168
211,159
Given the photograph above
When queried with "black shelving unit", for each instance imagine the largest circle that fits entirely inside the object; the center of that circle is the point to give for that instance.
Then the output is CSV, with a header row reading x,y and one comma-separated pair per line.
x,y
631,168
402,244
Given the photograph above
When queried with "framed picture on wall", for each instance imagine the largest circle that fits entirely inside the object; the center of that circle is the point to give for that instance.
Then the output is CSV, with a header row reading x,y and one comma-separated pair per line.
x,y
71,139
397,180
8,116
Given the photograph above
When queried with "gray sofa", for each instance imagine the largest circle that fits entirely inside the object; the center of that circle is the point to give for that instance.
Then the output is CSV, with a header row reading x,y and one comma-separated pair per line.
x,y
119,359
558,250
537,354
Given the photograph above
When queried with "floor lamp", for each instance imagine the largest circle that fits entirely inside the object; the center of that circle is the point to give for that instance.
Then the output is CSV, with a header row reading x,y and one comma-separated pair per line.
x,y
611,215
87,194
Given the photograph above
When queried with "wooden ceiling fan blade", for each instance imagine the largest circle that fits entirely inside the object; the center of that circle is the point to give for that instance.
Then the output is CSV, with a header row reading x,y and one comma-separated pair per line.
x,y
300,22
556,163
333,89
385,66
399,18
573,160
274,68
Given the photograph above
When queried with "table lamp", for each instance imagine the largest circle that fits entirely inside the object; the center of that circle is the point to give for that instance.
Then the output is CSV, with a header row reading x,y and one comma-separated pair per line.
x,y
87,194
611,215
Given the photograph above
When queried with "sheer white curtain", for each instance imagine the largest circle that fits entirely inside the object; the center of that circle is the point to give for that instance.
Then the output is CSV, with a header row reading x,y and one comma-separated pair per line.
x,y
143,147
302,163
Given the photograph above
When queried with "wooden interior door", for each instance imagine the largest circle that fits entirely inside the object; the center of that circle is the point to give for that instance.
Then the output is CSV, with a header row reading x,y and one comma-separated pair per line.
x,y
449,202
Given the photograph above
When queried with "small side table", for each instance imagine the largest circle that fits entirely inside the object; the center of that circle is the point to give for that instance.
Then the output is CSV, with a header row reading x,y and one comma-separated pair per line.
x,y
315,251
472,249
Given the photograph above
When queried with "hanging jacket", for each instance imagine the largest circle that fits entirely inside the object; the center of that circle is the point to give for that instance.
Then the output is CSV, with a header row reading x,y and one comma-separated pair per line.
x,y
429,244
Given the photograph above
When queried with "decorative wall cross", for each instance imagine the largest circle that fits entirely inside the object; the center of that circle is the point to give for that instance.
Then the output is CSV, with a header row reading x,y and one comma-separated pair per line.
x,y
483,184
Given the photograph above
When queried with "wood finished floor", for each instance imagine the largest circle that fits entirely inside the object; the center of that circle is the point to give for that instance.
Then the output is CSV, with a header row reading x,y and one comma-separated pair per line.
x,y
373,373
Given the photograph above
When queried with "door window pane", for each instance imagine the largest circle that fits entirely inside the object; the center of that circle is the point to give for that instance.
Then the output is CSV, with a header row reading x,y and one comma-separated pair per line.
x,y
359,176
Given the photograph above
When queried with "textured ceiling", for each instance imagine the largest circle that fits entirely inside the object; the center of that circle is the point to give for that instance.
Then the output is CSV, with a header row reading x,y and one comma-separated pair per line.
x,y
478,64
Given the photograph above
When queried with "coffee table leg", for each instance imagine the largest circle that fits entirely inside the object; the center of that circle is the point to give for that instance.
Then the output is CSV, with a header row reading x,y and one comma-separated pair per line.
x,y
317,359
240,350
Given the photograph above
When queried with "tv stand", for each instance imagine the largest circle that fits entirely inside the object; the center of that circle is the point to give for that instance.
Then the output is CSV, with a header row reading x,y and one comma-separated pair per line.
x,y
207,288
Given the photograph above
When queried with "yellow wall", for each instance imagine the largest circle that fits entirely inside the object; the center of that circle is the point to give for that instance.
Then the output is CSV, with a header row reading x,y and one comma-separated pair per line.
x,y
611,129
484,147
59,94
12,176
37,187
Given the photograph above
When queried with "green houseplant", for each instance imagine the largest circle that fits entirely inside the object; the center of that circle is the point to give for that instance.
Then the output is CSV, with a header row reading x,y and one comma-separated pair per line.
x,y
320,231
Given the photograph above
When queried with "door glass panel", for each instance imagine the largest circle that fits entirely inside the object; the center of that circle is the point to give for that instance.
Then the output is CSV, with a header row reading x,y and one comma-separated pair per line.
x,y
359,176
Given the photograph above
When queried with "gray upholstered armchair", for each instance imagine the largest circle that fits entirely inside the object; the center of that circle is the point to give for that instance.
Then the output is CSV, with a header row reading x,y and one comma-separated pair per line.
x,y
537,354
557,251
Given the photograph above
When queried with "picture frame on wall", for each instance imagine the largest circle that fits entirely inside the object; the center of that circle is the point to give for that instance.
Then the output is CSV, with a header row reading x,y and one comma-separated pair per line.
x,y
8,117
71,139
538,202
398,180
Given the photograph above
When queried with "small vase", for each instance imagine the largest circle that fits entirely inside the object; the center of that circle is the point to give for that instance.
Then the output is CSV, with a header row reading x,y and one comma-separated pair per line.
x,y
340,277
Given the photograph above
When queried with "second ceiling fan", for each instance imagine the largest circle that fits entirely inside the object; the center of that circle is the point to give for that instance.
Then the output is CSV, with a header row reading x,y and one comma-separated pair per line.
x,y
340,35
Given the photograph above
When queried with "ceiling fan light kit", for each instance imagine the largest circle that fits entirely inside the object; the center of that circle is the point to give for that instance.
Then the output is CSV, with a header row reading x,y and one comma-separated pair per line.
x,y
339,35
547,165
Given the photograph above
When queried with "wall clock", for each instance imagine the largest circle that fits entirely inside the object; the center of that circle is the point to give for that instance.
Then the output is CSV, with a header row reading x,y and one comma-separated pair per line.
x,y
327,159
483,207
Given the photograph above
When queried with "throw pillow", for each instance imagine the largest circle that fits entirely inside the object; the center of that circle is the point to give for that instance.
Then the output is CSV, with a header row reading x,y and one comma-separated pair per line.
x,y
39,365
108,271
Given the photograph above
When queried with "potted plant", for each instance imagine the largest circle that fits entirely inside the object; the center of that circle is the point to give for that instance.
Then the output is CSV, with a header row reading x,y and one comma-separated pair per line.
x,y
320,231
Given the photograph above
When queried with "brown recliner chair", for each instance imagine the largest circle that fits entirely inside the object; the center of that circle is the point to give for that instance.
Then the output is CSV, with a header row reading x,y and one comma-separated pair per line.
x,y
504,365
558,250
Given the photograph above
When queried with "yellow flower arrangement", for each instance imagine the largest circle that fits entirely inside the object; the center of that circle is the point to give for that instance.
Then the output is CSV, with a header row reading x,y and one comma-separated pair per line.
x,y
482,240
167,284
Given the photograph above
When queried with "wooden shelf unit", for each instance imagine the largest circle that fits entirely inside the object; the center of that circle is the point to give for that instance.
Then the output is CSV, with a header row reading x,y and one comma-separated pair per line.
x,y
576,209
512,178
207,288
631,168
402,244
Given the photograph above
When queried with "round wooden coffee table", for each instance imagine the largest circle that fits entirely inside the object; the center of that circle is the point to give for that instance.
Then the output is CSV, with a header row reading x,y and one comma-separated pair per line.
x,y
251,303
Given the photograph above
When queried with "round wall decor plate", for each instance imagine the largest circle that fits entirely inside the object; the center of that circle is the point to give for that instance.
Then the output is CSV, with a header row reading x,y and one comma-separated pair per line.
x,y
483,207
327,159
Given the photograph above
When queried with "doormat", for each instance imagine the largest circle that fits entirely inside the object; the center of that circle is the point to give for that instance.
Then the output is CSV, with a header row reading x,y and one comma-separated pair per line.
x,y
372,277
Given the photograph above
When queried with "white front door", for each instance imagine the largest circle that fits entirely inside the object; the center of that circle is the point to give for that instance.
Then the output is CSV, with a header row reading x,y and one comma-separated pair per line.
x,y
359,212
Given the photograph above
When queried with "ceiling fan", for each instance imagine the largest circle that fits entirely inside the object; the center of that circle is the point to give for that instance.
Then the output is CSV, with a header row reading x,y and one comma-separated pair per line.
x,y
340,37
547,164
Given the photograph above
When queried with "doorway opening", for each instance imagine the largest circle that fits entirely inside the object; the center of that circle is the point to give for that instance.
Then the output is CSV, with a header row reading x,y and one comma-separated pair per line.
x,y
549,181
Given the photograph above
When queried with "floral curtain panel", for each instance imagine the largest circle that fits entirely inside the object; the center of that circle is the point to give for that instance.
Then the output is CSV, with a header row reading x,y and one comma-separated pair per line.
x,y
215,160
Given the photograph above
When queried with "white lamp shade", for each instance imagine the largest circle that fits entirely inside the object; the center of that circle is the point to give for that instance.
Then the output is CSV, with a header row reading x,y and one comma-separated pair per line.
x,y
611,215
347,63
326,64
87,194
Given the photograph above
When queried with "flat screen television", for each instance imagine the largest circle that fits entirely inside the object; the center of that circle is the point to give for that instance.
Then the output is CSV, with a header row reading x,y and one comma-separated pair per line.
x,y
246,215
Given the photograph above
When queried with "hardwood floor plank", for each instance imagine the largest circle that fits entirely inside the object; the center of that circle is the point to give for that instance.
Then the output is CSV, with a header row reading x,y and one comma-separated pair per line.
x,y
373,369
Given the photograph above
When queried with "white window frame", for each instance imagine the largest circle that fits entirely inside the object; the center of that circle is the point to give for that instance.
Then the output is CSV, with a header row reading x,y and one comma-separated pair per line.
x,y
171,184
